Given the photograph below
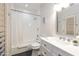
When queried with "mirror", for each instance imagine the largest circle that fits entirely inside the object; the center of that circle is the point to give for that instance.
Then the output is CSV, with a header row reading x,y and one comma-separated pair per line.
x,y
66,25
67,21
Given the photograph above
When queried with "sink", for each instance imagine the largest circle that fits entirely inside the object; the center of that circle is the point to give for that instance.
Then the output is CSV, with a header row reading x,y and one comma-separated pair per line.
x,y
60,40
69,43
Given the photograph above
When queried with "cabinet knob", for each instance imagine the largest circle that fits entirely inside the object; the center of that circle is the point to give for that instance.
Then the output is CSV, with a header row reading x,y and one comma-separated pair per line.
x,y
59,55
44,52
44,44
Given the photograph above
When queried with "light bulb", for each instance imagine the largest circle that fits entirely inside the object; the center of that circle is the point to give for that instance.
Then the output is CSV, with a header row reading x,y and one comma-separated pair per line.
x,y
26,5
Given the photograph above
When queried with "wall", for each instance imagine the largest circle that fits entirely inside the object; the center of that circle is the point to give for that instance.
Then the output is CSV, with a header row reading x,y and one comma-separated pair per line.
x,y
70,11
47,11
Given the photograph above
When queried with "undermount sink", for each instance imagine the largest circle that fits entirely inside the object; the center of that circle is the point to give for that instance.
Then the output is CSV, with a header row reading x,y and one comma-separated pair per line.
x,y
69,43
66,42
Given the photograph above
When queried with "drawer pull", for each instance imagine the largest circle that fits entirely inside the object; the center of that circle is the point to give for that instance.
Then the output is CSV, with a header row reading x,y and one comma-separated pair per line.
x,y
59,55
44,52
44,44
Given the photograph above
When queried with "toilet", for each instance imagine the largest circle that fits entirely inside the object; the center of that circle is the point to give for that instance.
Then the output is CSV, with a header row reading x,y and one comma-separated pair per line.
x,y
35,48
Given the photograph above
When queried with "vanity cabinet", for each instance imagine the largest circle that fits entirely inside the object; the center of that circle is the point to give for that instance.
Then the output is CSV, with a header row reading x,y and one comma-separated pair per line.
x,y
48,49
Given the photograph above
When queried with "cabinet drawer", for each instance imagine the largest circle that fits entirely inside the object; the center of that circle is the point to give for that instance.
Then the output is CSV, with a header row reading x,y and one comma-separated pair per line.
x,y
60,52
45,52
49,46
46,44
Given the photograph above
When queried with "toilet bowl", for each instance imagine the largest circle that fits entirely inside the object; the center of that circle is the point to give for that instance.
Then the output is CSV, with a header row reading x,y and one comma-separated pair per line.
x,y
35,48
35,45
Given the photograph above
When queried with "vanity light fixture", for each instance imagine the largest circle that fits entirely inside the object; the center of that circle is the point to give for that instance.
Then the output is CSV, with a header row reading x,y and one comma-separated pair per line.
x,y
26,5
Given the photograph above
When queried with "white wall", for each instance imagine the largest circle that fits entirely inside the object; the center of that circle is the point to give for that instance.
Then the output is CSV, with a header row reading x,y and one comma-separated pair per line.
x,y
70,11
33,8
47,11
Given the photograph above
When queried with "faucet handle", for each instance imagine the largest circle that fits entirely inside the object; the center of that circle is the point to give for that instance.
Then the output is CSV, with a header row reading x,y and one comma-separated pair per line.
x,y
68,40
60,37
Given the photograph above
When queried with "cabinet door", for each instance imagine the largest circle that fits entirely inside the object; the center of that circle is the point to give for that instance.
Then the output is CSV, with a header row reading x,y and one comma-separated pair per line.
x,y
49,47
46,44
60,52
45,52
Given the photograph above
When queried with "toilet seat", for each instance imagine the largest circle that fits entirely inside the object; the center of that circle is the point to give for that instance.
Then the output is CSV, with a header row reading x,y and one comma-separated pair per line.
x,y
35,45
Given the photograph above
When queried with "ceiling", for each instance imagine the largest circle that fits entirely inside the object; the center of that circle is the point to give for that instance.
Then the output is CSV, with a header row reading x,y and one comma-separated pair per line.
x,y
31,6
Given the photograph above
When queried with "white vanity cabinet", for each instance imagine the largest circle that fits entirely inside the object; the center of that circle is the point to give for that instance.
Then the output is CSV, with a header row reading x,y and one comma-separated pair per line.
x,y
48,49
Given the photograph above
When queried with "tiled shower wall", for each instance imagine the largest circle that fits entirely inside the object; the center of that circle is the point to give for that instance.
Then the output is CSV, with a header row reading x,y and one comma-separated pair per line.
x,y
2,41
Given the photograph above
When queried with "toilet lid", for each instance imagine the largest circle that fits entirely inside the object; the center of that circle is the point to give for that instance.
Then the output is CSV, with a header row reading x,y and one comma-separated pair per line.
x,y
35,44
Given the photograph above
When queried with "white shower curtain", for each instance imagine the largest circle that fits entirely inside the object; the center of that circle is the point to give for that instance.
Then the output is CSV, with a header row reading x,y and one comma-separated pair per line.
x,y
23,28
16,29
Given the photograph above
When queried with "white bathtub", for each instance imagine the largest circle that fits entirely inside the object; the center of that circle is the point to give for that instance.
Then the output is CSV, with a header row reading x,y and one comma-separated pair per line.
x,y
20,49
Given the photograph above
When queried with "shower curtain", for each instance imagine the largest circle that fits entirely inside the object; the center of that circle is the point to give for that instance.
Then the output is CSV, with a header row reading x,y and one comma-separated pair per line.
x,y
23,29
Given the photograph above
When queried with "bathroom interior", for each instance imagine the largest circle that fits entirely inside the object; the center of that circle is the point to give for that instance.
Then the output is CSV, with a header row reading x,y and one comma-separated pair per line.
x,y
39,29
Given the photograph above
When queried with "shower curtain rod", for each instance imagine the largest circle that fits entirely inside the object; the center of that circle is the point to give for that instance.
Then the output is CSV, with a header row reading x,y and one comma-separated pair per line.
x,y
24,12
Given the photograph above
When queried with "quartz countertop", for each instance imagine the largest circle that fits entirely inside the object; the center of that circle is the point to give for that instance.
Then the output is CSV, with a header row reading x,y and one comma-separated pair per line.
x,y
73,50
